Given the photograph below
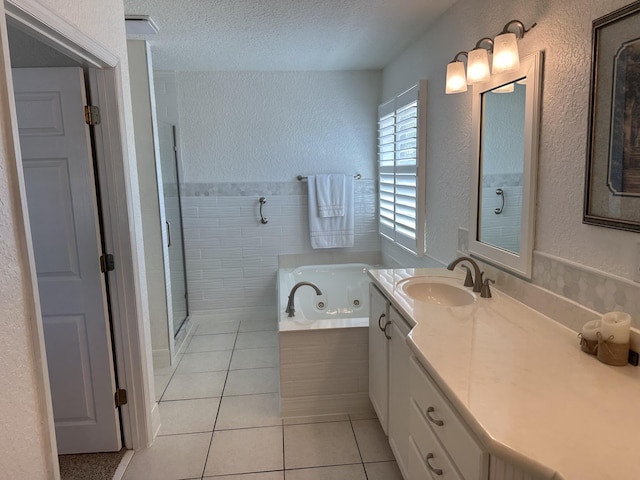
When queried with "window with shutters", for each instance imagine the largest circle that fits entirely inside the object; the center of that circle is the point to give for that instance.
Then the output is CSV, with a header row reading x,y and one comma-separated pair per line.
x,y
401,168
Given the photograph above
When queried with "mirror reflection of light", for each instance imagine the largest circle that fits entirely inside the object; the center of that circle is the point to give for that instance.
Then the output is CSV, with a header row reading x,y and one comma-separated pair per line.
x,y
508,88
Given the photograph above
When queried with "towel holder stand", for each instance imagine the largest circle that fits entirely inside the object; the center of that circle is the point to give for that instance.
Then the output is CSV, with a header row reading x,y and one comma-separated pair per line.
x,y
302,178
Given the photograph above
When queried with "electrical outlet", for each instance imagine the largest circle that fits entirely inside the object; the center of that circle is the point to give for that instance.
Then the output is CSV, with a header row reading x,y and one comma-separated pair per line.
x,y
636,265
633,358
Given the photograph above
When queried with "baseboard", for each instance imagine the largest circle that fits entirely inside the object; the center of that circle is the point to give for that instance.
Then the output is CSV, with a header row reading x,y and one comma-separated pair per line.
x,y
156,421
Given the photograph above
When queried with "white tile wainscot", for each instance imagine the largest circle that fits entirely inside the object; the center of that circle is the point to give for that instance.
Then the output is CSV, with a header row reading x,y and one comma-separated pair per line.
x,y
518,380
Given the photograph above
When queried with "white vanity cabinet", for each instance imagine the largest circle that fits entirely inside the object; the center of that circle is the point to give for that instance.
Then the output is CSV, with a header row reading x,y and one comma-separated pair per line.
x,y
399,355
441,443
379,325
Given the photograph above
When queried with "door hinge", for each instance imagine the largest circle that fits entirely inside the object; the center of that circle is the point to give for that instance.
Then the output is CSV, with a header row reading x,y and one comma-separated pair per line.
x,y
91,115
106,263
121,397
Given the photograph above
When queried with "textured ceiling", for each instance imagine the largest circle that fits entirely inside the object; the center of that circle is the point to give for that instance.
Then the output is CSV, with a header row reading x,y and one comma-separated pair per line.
x,y
281,35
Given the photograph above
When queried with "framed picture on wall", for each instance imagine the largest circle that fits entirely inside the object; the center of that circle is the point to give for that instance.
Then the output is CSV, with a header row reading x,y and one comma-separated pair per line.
x,y
612,187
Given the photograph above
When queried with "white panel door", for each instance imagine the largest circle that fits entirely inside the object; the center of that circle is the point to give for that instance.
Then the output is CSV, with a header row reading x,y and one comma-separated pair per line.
x,y
62,204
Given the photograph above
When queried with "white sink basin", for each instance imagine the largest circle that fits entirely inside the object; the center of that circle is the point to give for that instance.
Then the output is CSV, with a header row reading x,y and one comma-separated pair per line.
x,y
436,291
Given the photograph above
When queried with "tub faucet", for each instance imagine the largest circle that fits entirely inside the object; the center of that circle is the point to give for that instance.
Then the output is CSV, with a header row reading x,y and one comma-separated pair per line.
x,y
290,309
477,283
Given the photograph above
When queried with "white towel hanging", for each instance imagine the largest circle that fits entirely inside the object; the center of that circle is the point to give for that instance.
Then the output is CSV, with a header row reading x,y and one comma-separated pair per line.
x,y
331,232
330,194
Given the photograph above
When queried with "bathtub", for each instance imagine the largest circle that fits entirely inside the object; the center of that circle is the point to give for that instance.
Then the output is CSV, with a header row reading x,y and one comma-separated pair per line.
x,y
344,301
324,348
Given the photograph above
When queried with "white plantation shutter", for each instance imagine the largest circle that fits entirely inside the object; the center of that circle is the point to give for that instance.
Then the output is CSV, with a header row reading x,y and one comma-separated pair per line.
x,y
401,166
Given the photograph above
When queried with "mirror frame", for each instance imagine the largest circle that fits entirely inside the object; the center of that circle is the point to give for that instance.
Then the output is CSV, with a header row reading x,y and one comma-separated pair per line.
x,y
521,263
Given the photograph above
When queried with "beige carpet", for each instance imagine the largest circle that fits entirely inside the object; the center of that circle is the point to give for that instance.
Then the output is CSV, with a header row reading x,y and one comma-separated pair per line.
x,y
91,466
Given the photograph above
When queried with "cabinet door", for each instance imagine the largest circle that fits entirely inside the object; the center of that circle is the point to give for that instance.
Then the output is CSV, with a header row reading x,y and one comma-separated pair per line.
x,y
379,354
399,355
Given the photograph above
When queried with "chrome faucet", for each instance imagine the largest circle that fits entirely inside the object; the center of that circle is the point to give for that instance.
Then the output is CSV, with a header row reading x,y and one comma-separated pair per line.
x,y
290,309
477,283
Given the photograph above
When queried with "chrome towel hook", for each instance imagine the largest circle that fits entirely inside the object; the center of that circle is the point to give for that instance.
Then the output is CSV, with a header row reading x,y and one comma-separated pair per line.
x,y
500,193
262,202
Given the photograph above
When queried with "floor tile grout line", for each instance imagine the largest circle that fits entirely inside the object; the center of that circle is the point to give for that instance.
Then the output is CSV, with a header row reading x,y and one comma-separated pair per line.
x,y
358,447
206,459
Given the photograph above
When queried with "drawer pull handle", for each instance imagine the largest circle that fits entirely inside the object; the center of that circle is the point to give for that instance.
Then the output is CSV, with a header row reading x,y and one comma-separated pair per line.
x,y
437,471
431,419
380,320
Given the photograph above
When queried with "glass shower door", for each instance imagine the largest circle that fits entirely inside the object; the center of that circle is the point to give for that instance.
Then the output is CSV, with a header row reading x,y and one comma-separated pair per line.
x,y
173,215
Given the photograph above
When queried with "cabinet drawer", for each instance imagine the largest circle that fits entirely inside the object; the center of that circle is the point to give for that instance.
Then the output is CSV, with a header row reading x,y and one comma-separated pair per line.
x,y
423,444
448,427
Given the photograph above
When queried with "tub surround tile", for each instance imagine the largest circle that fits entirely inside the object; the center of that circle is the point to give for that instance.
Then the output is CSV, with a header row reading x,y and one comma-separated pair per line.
x,y
319,444
245,451
324,372
225,241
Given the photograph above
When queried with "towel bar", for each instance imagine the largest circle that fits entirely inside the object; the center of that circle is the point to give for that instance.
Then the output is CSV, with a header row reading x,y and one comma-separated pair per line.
x,y
300,178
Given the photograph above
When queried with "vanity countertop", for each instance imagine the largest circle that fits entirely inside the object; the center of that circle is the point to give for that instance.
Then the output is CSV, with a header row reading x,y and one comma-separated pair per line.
x,y
521,382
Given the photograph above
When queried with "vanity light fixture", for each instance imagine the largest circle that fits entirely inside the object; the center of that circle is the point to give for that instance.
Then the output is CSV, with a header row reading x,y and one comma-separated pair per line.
x,y
456,78
478,63
504,50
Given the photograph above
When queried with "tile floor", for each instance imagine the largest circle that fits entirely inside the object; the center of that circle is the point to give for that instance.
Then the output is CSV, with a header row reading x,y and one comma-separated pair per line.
x,y
219,410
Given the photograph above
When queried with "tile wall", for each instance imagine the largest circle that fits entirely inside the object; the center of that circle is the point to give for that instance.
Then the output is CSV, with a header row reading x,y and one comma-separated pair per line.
x,y
232,258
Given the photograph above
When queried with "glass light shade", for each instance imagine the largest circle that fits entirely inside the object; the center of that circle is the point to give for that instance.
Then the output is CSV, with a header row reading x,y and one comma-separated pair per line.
x,y
505,53
478,66
456,79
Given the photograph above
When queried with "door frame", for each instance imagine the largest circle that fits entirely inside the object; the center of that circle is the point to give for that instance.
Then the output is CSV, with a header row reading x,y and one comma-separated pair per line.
x,y
128,307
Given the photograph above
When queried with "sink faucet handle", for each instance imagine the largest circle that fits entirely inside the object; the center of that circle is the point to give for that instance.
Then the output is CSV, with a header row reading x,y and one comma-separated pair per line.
x,y
468,279
486,291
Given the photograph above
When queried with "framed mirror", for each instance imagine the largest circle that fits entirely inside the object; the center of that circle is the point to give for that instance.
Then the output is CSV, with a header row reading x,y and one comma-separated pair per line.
x,y
506,119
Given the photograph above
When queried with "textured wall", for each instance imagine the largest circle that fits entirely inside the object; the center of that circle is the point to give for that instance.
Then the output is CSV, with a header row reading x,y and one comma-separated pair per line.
x,y
248,134
22,414
564,33
271,126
